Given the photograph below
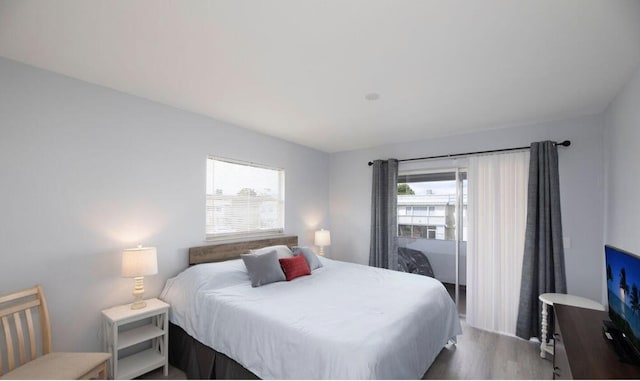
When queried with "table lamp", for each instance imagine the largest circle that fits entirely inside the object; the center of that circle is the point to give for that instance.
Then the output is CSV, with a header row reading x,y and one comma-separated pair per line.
x,y
323,238
136,263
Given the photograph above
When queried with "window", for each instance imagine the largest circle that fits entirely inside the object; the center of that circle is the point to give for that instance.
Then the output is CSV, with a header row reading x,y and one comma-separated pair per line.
x,y
428,205
431,232
243,199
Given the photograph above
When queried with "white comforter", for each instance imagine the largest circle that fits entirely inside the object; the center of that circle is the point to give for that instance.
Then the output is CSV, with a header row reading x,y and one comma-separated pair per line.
x,y
345,321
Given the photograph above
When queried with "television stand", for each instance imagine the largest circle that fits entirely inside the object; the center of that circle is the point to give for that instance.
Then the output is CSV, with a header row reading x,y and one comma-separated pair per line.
x,y
624,349
581,351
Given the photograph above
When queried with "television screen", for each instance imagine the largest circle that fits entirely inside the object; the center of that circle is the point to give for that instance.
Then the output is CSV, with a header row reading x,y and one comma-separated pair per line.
x,y
623,281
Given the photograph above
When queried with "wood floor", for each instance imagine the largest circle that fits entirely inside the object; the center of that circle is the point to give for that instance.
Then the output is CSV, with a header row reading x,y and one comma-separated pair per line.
x,y
485,355
478,355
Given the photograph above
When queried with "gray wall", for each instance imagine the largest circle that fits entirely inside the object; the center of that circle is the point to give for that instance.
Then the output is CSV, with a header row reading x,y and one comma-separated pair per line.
x,y
86,172
622,142
582,190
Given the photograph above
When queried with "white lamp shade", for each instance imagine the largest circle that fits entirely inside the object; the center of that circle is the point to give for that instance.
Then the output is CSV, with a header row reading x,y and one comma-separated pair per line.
x,y
140,261
323,238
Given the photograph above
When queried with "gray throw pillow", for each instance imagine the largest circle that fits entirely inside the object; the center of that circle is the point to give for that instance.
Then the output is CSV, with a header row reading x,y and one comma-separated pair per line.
x,y
309,256
263,269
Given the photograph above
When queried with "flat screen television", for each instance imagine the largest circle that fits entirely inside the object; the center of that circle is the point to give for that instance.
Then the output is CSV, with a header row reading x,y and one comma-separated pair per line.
x,y
623,294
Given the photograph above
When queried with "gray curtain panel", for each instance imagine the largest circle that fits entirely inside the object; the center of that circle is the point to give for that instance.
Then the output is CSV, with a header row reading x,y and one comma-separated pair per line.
x,y
384,215
543,263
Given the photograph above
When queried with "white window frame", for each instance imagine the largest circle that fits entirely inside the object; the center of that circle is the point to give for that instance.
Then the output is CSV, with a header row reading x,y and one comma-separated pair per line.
x,y
248,233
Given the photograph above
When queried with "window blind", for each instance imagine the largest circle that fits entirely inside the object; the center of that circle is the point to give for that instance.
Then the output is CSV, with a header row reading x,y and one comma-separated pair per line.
x,y
243,199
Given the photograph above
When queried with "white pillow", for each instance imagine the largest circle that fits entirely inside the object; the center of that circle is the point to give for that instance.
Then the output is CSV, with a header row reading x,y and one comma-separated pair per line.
x,y
282,250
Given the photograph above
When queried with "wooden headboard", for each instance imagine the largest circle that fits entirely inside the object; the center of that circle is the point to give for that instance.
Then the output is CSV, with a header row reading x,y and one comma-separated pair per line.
x,y
226,251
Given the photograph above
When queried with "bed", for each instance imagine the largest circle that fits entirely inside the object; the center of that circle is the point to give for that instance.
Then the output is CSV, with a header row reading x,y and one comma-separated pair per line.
x,y
344,321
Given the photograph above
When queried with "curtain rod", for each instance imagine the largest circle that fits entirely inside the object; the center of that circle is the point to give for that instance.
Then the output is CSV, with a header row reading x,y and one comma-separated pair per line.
x,y
565,143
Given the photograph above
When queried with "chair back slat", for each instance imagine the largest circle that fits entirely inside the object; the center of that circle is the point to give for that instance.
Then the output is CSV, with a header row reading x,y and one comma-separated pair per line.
x,y
17,320
18,295
19,307
32,334
9,340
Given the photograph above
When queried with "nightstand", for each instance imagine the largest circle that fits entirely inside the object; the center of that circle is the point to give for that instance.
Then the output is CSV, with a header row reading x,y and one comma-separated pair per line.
x,y
138,340
549,299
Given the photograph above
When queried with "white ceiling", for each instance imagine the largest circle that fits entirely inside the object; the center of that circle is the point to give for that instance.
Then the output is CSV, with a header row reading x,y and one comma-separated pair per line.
x,y
300,70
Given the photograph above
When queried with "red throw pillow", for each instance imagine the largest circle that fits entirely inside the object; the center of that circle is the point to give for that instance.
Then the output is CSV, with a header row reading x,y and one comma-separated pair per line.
x,y
294,267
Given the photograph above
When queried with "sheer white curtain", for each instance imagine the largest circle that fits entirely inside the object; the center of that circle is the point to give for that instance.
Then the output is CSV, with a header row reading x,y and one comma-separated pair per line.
x,y
497,212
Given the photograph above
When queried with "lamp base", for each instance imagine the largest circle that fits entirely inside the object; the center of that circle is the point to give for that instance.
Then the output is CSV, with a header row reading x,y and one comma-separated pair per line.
x,y
137,305
138,291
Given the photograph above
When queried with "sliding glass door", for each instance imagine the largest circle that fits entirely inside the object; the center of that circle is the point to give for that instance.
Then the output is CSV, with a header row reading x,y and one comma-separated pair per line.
x,y
432,212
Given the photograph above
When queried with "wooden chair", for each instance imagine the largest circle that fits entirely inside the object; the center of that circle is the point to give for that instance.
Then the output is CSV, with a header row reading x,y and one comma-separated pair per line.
x,y
35,359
